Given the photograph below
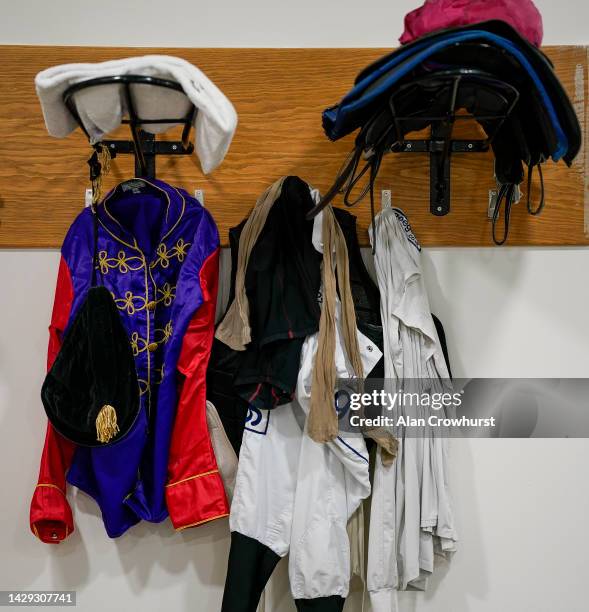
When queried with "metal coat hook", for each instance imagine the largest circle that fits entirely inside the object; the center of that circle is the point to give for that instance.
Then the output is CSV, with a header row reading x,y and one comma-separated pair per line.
x,y
441,147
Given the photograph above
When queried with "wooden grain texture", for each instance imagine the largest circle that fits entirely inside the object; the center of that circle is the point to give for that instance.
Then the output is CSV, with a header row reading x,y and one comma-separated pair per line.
x,y
279,95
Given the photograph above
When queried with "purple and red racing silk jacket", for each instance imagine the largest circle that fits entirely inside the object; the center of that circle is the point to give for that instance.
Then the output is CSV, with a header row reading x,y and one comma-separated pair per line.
x,y
158,254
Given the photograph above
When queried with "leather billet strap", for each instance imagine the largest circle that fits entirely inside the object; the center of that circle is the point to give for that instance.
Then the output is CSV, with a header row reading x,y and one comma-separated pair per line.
x,y
341,184
507,195
350,175
540,206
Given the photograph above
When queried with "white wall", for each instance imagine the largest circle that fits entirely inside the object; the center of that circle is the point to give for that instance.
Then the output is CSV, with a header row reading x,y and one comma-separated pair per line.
x,y
255,23
508,312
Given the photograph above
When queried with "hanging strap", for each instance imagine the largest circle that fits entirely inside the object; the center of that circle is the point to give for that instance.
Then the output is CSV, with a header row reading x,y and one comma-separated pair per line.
x,y
348,178
540,207
349,175
355,179
95,267
373,174
341,184
507,193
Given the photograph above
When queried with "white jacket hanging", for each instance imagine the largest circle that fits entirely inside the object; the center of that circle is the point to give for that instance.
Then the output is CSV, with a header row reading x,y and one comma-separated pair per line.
x,y
411,516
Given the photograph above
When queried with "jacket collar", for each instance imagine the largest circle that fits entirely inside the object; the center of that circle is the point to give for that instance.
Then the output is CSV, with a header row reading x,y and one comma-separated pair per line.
x,y
122,222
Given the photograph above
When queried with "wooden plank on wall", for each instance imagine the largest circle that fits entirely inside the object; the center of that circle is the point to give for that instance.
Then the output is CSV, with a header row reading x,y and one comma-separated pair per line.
x,y
279,95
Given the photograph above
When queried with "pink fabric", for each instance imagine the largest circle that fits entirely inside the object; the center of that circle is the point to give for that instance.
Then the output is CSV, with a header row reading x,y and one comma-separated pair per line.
x,y
440,14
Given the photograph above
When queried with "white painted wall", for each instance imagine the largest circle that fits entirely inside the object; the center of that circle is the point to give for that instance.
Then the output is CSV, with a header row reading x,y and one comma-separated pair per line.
x,y
256,23
521,506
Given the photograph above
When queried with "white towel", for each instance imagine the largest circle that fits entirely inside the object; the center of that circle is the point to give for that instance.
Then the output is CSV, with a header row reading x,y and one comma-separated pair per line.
x,y
102,108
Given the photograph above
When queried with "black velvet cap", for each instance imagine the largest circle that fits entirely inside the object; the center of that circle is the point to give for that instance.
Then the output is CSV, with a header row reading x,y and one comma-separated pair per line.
x,y
91,393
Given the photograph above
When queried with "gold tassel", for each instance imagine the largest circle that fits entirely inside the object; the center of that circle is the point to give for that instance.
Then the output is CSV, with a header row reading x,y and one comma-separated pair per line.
x,y
104,158
106,424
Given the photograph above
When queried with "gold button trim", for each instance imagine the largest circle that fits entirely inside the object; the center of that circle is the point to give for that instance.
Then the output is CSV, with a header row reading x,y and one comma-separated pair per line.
x,y
152,347
151,305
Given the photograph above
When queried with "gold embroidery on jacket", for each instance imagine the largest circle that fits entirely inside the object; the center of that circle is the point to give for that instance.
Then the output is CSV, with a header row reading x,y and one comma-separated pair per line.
x,y
164,334
143,386
122,262
157,378
138,344
164,255
168,293
130,303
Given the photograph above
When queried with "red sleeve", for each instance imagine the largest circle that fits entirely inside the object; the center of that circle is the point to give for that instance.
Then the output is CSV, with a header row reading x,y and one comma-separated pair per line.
x,y
195,492
51,516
